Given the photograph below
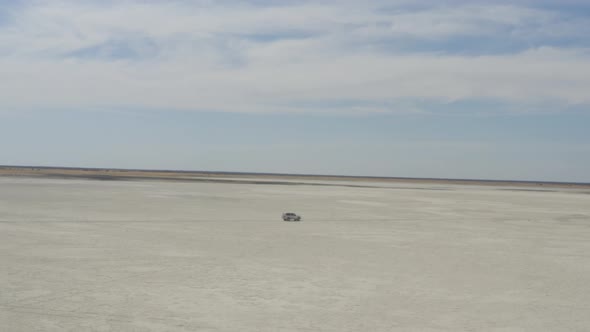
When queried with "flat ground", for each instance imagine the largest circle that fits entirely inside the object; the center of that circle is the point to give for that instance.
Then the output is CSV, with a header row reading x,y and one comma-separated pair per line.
x,y
83,255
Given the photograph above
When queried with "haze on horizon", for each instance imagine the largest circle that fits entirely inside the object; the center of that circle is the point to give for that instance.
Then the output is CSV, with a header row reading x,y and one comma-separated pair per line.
x,y
437,89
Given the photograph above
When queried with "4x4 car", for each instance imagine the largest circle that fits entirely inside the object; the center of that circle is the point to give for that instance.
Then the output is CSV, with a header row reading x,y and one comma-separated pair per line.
x,y
290,216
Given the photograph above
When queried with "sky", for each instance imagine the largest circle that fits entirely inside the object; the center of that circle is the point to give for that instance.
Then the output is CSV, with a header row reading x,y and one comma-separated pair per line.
x,y
438,89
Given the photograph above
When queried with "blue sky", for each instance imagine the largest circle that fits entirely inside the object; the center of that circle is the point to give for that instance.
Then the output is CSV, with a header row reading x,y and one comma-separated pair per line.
x,y
454,89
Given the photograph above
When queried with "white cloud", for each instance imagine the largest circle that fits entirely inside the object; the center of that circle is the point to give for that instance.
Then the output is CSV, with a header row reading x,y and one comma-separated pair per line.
x,y
214,57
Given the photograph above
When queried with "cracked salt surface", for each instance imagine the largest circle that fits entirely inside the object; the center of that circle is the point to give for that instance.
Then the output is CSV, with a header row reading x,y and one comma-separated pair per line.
x,y
82,255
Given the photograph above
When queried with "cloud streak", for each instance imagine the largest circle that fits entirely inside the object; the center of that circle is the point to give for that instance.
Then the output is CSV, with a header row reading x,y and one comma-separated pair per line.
x,y
296,57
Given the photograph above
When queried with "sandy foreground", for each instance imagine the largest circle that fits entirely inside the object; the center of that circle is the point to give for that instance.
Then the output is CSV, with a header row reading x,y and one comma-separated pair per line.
x,y
89,255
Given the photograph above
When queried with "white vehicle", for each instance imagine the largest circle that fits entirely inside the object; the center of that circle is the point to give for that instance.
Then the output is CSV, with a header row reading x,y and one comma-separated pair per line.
x,y
290,216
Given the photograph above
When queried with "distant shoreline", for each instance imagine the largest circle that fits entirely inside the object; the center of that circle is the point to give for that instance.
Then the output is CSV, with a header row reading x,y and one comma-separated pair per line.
x,y
250,178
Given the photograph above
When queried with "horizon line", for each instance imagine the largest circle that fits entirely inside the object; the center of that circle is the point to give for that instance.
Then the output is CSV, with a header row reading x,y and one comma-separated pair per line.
x,y
371,177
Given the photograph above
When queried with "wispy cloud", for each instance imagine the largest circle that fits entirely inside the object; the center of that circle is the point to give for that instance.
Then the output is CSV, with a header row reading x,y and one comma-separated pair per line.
x,y
354,57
